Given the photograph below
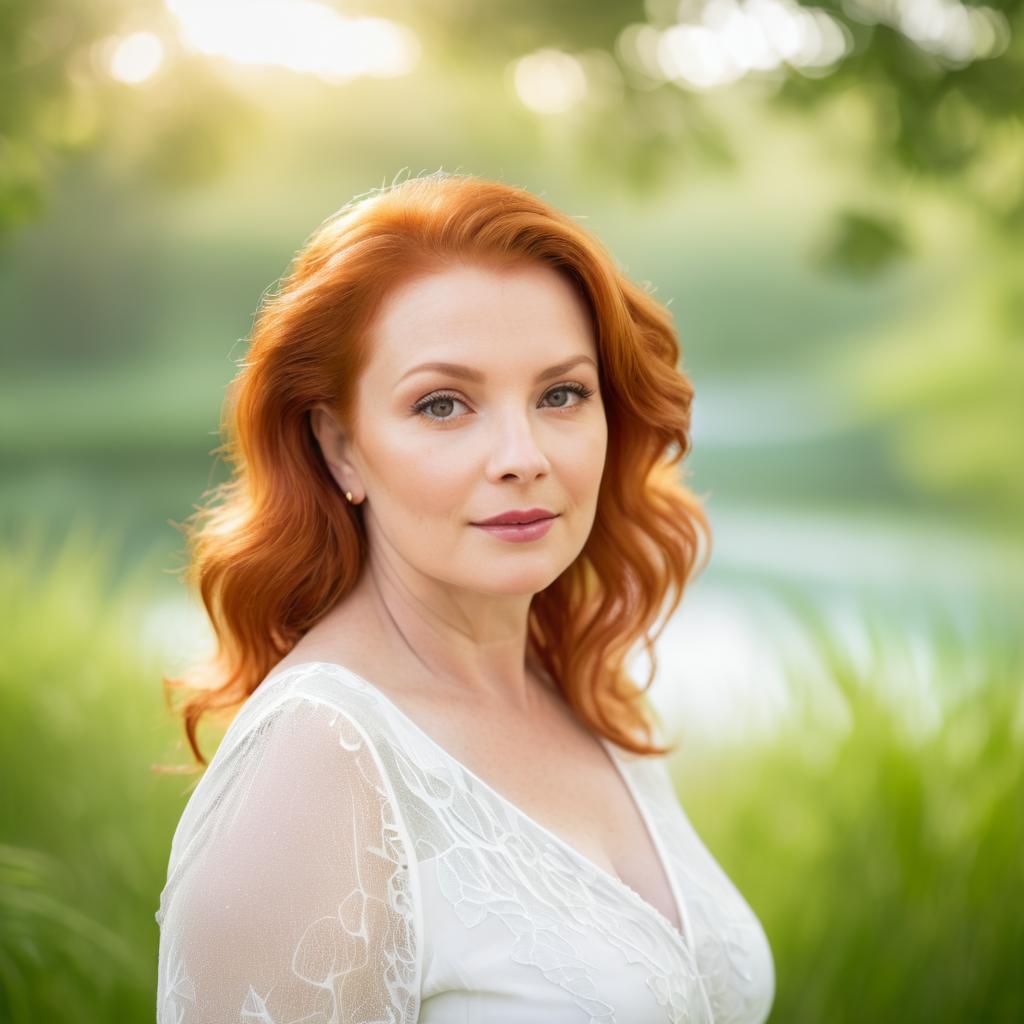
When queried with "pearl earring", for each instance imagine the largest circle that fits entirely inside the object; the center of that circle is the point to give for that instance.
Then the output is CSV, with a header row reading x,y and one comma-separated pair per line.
x,y
348,495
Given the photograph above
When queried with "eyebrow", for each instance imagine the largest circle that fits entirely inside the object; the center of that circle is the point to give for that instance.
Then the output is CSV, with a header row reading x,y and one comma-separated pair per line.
x,y
467,373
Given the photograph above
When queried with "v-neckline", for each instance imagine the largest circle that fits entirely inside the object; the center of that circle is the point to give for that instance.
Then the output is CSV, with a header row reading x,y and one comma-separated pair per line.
x,y
685,938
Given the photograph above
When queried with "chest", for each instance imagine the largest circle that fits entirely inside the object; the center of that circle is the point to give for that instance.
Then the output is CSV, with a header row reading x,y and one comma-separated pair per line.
x,y
560,777
525,835
523,883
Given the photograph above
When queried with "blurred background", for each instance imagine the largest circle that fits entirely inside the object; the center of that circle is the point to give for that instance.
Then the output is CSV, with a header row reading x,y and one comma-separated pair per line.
x,y
830,199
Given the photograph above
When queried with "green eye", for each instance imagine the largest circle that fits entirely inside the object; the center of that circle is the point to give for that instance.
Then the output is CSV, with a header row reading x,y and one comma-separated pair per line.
x,y
420,408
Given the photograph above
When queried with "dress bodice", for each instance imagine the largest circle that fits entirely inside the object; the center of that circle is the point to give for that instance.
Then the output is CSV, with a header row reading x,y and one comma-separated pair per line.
x,y
336,865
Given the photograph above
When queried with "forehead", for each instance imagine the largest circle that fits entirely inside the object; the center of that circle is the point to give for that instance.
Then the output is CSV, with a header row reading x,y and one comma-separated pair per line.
x,y
481,315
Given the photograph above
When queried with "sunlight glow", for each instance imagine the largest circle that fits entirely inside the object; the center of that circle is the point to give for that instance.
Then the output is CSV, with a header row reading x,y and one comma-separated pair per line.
x,y
716,42
731,38
136,57
549,81
298,34
637,48
946,28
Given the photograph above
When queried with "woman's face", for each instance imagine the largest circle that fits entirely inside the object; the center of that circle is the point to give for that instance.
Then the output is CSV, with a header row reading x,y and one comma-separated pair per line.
x,y
521,426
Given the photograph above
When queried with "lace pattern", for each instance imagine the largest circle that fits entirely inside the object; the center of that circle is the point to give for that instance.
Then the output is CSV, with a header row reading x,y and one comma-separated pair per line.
x,y
731,946
552,902
295,900
399,805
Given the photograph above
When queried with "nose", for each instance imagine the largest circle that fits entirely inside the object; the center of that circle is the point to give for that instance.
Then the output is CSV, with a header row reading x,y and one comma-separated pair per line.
x,y
513,449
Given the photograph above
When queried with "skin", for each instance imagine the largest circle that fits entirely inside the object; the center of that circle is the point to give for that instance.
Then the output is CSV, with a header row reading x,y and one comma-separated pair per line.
x,y
438,617
443,598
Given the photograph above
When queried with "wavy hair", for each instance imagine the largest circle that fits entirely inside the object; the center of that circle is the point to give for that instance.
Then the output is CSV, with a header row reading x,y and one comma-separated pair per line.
x,y
276,546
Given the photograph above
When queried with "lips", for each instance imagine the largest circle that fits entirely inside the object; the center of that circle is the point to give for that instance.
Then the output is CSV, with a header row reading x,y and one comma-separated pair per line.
x,y
518,533
517,517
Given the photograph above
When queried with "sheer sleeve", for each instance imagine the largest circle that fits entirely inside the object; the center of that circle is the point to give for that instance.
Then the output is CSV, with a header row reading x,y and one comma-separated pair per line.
x,y
291,885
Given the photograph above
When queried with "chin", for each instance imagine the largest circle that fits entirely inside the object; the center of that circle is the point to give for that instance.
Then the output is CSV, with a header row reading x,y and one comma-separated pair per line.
x,y
520,584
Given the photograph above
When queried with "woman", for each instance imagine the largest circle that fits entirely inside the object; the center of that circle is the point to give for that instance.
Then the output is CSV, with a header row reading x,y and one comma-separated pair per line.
x,y
454,512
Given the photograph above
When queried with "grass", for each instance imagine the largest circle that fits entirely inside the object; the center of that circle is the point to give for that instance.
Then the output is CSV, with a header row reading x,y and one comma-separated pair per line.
x,y
86,824
880,846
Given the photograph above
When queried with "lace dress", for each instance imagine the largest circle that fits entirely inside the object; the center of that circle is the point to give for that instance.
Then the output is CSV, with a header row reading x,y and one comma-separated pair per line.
x,y
335,865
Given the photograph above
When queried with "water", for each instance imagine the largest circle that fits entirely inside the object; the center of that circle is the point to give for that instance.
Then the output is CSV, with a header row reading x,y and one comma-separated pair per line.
x,y
730,655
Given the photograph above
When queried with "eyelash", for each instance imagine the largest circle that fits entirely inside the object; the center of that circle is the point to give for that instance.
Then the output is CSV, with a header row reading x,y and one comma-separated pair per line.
x,y
423,404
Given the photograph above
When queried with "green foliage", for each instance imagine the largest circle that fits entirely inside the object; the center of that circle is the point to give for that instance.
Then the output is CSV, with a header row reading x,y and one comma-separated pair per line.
x,y
862,244
59,105
926,112
51,953
48,111
881,847
86,824
949,383
903,121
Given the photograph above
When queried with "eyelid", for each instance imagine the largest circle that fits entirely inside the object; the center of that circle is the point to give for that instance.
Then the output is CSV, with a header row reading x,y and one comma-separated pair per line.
x,y
583,392
451,392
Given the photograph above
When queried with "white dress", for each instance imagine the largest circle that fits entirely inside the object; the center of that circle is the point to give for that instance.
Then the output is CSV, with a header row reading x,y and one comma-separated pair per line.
x,y
335,865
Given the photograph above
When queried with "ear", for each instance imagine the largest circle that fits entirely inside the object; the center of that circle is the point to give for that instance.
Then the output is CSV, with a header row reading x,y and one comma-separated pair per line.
x,y
334,446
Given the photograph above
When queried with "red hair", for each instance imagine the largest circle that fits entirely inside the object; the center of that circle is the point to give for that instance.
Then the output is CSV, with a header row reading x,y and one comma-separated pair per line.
x,y
276,546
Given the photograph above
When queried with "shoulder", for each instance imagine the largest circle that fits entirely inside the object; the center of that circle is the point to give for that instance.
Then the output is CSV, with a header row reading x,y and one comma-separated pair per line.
x,y
302,730
304,748
319,721
343,723
315,699
292,833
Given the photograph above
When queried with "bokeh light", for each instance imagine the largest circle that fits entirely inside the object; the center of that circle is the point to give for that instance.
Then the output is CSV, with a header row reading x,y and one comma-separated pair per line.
x,y
136,57
298,34
549,81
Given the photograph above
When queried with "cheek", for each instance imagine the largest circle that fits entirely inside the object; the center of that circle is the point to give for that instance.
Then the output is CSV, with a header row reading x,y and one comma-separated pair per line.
x,y
583,464
424,476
